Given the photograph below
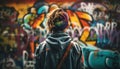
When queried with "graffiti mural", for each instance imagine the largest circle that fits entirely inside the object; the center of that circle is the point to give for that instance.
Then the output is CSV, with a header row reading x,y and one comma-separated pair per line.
x,y
23,25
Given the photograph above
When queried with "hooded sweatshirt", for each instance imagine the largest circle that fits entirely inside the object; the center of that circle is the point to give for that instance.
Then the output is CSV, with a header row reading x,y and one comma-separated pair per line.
x,y
49,53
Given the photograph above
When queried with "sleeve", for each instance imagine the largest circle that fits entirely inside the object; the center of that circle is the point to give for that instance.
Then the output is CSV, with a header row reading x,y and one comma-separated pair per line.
x,y
79,64
40,56
37,59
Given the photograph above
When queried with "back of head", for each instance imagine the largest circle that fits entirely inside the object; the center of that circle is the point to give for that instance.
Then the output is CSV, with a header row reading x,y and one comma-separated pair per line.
x,y
58,20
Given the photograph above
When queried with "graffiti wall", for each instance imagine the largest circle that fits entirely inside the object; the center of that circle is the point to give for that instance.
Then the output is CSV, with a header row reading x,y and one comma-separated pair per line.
x,y
23,26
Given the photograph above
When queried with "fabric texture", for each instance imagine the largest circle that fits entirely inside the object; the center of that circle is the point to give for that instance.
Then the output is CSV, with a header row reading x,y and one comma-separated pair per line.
x,y
49,53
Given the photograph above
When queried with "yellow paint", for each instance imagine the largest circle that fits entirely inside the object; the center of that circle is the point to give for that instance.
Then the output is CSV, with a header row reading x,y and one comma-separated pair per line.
x,y
84,15
21,8
85,36
73,18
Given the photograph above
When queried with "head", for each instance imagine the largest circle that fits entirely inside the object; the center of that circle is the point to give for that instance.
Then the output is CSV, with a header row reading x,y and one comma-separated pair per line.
x,y
58,20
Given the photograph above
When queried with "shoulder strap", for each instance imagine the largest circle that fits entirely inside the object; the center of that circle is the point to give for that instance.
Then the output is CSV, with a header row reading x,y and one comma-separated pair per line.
x,y
64,55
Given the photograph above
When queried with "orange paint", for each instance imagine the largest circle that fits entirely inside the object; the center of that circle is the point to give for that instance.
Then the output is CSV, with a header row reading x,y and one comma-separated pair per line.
x,y
83,15
32,46
84,23
38,20
73,18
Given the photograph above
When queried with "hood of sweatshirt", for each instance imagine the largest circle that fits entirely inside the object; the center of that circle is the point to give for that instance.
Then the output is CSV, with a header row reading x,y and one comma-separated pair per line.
x,y
58,41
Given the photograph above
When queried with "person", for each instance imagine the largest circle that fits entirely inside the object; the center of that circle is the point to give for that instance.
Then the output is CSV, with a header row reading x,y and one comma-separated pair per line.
x,y
58,50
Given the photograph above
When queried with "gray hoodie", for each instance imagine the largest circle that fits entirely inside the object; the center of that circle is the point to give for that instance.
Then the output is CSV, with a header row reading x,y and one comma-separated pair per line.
x,y
49,53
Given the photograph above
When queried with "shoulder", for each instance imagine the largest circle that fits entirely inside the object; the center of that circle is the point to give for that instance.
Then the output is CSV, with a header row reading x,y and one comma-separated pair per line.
x,y
40,48
77,46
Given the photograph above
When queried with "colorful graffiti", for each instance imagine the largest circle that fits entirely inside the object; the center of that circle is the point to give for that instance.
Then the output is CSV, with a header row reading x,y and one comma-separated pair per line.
x,y
77,18
23,28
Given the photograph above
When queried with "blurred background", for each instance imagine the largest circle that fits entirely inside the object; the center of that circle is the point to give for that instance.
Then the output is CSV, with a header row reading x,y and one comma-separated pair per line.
x,y
23,27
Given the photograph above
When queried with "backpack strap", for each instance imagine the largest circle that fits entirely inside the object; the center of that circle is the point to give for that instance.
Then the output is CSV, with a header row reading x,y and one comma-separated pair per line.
x,y
64,55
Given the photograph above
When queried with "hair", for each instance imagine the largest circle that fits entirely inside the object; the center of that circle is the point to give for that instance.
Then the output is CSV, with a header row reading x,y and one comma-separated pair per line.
x,y
57,20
